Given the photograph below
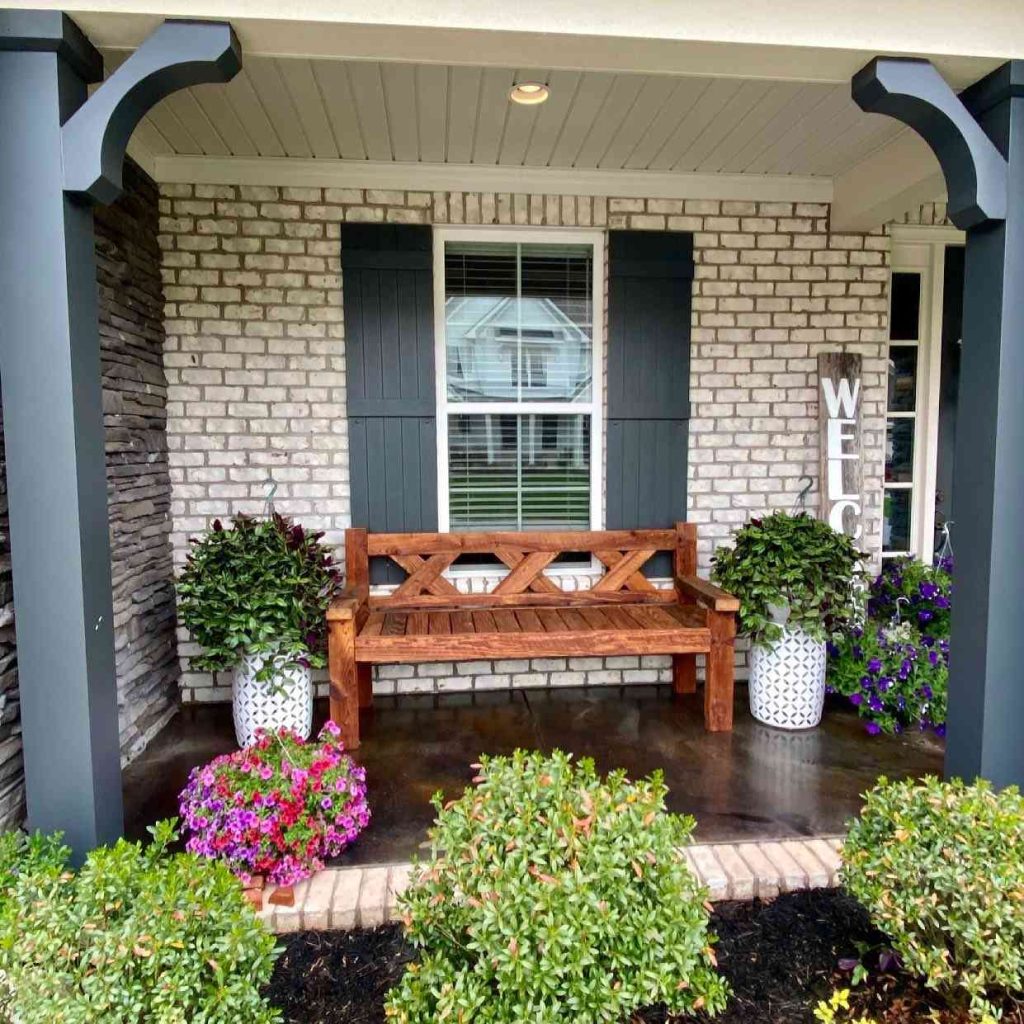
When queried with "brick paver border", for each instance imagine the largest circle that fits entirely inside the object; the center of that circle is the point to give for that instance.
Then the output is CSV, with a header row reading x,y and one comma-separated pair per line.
x,y
337,899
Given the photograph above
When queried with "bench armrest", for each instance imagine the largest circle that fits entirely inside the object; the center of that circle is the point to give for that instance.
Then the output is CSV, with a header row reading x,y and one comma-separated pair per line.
x,y
346,605
706,594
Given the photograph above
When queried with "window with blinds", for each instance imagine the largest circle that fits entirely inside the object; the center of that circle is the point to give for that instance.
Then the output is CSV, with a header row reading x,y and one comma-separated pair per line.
x,y
518,398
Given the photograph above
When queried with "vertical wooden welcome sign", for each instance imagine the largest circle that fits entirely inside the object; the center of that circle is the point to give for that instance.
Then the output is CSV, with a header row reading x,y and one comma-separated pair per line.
x,y
839,418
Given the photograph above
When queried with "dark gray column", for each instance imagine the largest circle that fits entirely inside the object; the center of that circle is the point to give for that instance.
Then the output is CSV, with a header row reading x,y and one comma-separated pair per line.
x,y
979,141
53,421
986,726
59,152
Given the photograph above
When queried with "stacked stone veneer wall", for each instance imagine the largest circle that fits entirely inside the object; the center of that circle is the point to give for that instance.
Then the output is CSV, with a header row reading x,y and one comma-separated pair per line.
x,y
138,487
255,361
138,481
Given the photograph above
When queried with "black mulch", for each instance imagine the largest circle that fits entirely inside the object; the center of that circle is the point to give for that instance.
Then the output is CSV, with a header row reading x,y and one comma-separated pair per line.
x,y
780,958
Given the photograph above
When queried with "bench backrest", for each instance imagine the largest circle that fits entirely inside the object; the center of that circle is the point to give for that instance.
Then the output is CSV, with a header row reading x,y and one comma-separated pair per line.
x,y
425,557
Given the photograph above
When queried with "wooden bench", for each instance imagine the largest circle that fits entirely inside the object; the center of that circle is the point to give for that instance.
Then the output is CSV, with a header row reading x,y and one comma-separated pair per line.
x,y
528,615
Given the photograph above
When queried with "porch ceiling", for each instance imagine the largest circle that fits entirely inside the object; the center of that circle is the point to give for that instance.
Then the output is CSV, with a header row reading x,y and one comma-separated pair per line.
x,y
355,110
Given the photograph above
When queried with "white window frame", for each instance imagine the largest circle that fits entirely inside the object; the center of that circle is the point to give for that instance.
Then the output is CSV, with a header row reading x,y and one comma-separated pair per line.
x,y
921,249
594,408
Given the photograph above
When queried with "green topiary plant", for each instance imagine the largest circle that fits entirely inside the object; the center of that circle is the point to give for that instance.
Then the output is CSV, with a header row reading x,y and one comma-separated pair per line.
x,y
555,896
940,868
260,587
794,561
136,935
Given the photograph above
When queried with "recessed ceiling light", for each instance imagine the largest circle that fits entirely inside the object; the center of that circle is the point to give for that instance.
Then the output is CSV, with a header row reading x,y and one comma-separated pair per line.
x,y
529,93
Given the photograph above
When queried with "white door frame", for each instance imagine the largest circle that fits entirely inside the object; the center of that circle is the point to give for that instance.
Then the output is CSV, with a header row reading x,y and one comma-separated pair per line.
x,y
921,249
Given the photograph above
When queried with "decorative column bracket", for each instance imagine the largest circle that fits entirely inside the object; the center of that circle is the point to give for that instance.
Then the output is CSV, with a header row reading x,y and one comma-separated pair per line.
x,y
913,92
177,55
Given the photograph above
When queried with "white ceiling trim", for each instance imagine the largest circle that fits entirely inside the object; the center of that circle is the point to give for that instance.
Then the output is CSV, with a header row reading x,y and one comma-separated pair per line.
x,y
424,177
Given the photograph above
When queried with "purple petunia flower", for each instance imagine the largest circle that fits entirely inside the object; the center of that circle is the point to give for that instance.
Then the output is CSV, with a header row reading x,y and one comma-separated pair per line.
x,y
873,728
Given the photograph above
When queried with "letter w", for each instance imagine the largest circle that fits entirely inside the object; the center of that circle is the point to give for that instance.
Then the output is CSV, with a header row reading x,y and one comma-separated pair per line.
x,y
846,398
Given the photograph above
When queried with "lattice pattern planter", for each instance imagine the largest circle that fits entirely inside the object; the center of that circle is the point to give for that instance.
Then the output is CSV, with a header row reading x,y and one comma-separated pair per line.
x,y
787,681
285,701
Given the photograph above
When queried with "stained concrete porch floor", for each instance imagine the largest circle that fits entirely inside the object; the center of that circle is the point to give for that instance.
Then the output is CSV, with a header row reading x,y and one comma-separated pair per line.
x,y
752,783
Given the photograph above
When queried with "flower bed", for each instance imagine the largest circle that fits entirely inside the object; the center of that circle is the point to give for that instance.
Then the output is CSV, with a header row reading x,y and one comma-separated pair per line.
x,y
280,808
780,959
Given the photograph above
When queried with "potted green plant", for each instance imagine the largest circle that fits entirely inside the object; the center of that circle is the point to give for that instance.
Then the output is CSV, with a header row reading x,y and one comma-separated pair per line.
x,y
796,580
254,596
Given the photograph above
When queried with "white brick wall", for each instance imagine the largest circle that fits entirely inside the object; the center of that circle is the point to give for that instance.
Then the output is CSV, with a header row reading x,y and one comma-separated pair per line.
x,y
256,369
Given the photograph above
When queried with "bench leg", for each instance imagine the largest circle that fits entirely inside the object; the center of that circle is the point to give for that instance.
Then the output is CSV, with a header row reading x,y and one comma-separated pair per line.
x,y
364,672
344,680
718,684
684,673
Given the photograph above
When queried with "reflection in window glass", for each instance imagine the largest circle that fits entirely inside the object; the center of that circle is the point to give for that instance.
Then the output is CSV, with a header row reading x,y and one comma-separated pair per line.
x,y
902,378
518,322
896,520
905,307
899,451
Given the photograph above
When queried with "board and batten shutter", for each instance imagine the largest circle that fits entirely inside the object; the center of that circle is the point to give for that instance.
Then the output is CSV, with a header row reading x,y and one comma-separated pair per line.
x,y
650,283
387,284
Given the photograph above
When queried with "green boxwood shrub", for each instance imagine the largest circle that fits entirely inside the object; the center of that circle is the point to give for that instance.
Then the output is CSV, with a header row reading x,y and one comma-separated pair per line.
x,y
940,868
555,896
136,936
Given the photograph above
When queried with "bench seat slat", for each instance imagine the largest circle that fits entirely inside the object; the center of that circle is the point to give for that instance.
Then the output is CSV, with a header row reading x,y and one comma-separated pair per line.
x,y
394,624
551,620
506,620
686,614
374,624
569,643
573,619
440,623
418,622
462,621
483,621
636,618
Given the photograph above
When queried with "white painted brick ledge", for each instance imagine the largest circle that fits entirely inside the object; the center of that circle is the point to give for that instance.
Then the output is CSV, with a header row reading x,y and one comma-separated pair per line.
x,y
337,899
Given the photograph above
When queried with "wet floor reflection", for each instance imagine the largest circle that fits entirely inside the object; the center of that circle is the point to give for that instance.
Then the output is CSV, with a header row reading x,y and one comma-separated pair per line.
x,y
755,782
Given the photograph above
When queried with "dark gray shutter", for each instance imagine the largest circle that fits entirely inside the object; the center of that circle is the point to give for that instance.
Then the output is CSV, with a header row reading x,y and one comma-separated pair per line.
x,y
389,353
650,280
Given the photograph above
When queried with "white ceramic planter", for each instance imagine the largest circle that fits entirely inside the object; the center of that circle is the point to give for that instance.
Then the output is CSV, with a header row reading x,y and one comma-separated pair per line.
x,y
787,681
286,700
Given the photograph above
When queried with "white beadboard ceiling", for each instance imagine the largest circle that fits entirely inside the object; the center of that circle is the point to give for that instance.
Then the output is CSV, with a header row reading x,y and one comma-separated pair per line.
x,y
431,113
